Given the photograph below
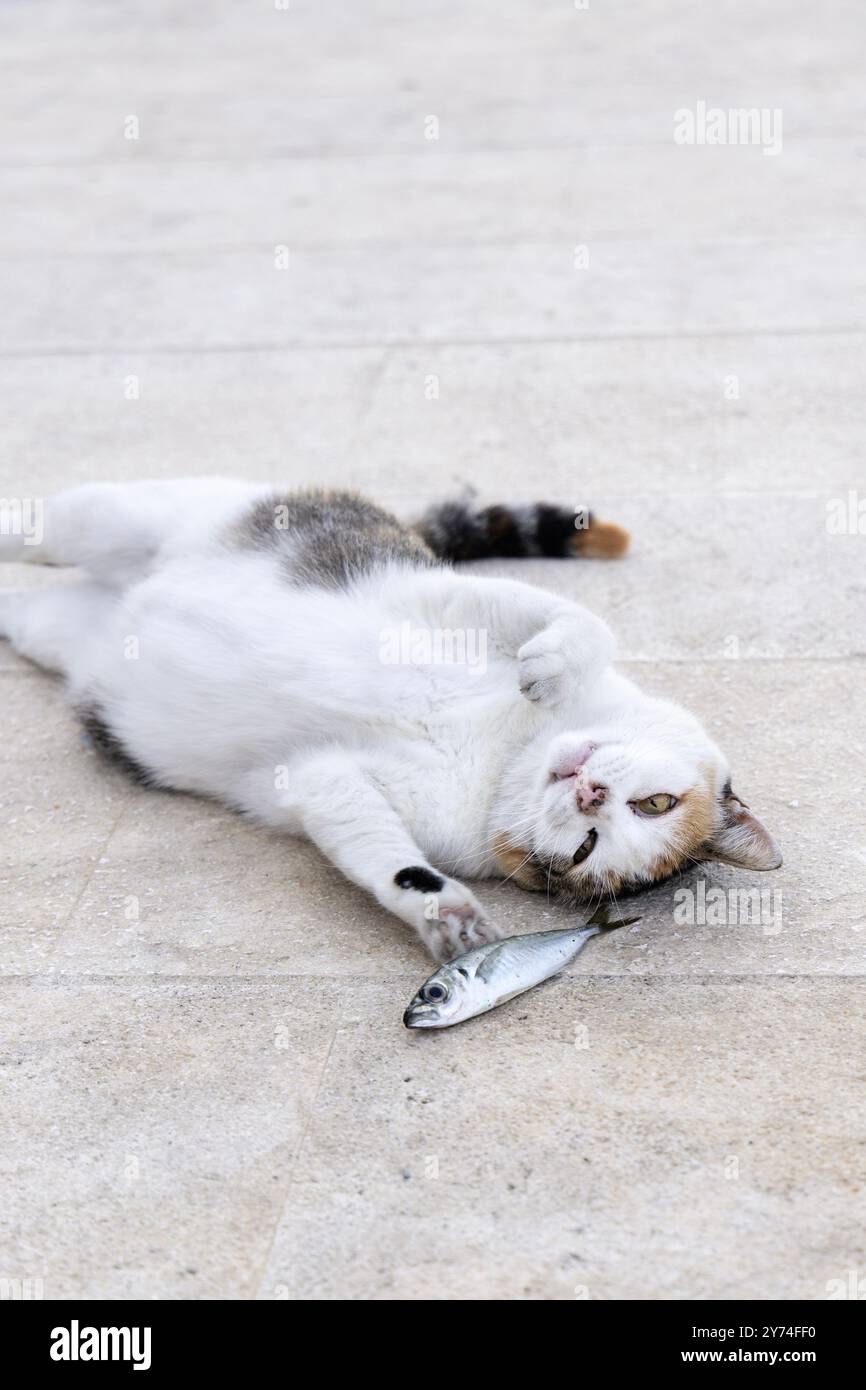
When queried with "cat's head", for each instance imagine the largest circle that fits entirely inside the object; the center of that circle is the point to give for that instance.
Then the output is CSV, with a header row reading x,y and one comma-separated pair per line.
x,y
624,803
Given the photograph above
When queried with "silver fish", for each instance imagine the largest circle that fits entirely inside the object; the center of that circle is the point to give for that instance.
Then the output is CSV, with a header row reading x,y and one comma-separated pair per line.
x,y
482,979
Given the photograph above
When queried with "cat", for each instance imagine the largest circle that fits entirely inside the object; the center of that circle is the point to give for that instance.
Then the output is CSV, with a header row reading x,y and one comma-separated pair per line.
x,y
322,667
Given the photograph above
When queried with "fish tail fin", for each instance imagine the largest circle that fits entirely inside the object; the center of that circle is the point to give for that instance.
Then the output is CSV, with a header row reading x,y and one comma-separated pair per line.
x,y
602,919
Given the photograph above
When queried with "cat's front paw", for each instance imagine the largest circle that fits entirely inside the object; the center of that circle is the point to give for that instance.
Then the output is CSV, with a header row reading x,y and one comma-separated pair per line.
x,y
459,929
444,913
564,657
542,669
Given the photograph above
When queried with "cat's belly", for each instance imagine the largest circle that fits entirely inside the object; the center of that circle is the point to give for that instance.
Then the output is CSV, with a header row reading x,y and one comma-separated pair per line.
x,y
233,676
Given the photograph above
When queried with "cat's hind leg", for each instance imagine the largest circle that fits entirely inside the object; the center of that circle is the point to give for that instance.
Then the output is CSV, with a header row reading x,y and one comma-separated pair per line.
x,y
115,530
57,627
102,527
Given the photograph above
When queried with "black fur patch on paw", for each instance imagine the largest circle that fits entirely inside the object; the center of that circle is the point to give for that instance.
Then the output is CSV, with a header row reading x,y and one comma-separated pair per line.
x,y
424,880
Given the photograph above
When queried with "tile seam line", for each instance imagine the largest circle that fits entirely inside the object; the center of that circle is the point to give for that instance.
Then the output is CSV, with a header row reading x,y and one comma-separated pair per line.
x,y
608,239
377,373
278,1220
298,345
736,663
73,908
310,154
156,249
349,977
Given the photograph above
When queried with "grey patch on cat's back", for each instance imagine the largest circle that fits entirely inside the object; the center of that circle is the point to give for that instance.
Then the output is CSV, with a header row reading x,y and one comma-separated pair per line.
x,y
327,538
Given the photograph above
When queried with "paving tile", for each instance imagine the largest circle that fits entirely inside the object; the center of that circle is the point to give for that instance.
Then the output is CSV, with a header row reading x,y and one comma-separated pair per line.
x,y
501,76
58,809
287,417
574,421
151,1129
364,295
613,1139
440,196
187,888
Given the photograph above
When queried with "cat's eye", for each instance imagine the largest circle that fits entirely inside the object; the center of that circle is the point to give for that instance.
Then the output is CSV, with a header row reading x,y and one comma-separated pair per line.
x,y
585,850
435,993
655,805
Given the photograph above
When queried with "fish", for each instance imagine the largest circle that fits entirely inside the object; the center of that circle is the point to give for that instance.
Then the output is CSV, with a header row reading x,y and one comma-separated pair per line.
x,y
490,975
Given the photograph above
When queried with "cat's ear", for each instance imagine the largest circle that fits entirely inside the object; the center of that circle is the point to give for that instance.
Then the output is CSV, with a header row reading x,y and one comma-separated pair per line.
x,y
741,839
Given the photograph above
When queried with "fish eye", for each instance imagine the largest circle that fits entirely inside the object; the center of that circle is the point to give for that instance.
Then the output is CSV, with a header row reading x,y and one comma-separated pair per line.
x,y
434,993
655,805
584,850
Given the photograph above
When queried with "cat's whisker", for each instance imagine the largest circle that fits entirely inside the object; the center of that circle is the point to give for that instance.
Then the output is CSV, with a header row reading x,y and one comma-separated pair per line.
x,y
552,857
531,818
611,891
482,847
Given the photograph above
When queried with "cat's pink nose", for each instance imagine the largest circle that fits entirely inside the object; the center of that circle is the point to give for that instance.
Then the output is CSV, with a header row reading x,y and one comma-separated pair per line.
x,y
569,764
590,797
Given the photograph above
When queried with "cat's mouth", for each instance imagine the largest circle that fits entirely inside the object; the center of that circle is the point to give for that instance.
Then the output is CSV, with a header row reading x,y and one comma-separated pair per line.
x,y
584,850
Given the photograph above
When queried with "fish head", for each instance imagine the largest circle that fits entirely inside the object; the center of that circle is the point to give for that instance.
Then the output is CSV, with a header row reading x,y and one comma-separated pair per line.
x,y
441,1000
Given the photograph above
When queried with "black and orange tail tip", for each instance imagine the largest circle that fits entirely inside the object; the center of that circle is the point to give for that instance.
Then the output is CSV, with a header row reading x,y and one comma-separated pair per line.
x,y
602,540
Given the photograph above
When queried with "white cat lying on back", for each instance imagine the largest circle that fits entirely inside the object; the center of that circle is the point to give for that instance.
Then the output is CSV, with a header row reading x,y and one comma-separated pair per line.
x,y
266,675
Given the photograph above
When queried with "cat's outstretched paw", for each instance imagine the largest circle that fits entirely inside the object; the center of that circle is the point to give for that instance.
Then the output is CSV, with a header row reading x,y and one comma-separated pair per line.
x,y
459,929
444,913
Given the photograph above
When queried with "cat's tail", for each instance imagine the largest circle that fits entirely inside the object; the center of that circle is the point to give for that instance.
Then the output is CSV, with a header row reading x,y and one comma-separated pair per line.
x,y
461,531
